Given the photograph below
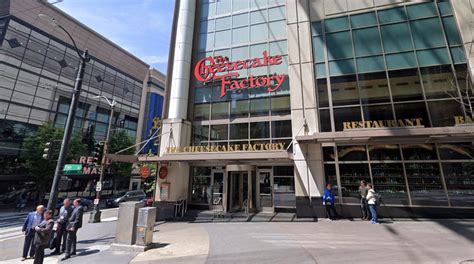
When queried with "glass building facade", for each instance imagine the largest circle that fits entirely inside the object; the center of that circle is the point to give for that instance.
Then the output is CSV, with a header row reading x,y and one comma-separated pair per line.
x,y
37,75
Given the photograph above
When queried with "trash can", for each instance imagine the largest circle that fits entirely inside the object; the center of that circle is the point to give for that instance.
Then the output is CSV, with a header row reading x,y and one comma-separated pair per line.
x,y
145,224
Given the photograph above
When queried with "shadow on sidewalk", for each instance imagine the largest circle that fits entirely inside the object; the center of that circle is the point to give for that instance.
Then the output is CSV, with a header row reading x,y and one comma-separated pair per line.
x,y
92,241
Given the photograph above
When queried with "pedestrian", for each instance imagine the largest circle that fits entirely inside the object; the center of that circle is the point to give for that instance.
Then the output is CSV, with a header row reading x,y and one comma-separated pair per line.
x,y
75,222
372,202
61,234
328,202
363,200
32,220
43,234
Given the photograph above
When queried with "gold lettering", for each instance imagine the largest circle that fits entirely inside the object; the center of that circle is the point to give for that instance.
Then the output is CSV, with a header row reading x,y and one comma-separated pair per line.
x,y
381,123
261,146
368,124
231,148
281,145
409,122
376,124
459,120
469,120
392,123
346,125
419,121
236,147
245,147
354,125
400,123
186,149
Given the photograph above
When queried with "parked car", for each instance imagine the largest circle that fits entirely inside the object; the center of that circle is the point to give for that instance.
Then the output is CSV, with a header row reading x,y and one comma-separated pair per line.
x,y
125,197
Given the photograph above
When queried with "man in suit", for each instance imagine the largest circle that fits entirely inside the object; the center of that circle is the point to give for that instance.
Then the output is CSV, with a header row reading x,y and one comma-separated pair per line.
x,y
61,235
32,220
43,234
75,222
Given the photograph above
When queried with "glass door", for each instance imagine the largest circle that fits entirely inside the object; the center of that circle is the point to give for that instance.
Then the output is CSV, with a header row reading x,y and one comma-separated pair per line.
x,y
265,196
237,191
217,188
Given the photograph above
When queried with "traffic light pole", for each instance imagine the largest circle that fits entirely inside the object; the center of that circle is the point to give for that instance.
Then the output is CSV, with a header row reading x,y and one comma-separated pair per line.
x,y
58,173
95,214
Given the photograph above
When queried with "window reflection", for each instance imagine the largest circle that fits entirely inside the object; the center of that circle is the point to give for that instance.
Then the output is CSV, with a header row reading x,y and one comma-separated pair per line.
x,y
239,131
323,100
419,152
405,85
260,130
344,90
456,151
460,183
389,181
347,114
425,184
444,116
439,82
351,175
373,88
219,132
384,152
352,153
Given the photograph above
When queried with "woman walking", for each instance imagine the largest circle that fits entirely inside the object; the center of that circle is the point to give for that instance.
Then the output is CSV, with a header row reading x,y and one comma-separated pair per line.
x,y
372,202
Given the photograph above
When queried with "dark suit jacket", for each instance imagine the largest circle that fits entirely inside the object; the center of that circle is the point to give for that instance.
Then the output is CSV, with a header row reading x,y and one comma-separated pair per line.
x,y
76,218
28,224
43,235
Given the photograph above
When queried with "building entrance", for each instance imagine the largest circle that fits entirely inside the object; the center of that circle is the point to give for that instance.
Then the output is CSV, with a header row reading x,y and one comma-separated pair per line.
x,y
238,190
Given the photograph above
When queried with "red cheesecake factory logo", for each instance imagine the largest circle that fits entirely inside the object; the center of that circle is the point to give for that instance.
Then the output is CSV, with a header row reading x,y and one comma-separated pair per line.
x,y
220,68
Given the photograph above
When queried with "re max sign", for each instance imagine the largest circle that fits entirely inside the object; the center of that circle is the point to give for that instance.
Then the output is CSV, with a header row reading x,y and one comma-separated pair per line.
x,y
209,68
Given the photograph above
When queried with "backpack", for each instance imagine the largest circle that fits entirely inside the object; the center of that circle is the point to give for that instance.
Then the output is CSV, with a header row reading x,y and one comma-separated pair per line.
x,y
378,198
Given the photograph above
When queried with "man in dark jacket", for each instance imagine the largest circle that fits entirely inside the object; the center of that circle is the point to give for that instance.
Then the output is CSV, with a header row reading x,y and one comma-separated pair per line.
x,y
61,234
32,220
43,234
75,222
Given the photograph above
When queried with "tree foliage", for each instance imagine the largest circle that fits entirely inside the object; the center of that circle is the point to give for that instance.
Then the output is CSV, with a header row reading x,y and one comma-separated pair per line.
x,y
120,140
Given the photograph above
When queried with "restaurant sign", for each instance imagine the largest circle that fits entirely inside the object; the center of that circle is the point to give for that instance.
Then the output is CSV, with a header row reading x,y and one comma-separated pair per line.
x,y
219,68
411,122
227,148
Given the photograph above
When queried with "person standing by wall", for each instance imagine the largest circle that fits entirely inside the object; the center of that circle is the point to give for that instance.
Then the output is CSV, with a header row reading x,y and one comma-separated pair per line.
x,y
372,202
32,220
328,202
75,222
364,207
43,234
61,234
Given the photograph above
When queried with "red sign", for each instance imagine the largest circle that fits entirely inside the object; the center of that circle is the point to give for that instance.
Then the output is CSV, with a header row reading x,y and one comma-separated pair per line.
x,y
163,172
145,172
209,68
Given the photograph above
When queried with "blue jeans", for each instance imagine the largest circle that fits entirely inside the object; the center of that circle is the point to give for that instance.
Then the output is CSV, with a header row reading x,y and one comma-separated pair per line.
x,y
373,212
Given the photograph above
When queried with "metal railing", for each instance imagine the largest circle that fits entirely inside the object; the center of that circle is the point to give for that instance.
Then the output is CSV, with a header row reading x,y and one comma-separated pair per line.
x,y
180,208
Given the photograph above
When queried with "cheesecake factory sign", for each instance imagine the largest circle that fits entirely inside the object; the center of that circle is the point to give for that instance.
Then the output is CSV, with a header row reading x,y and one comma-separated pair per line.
x,y
219,68
227,148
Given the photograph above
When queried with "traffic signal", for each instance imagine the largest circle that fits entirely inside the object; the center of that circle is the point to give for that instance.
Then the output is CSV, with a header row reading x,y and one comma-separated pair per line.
x,y
48,150
98,152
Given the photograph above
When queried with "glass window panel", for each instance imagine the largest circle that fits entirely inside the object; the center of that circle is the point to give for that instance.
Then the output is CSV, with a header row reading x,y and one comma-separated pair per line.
x,y
201,190
281,129
445,8
451,30
207,26
456,151
342,115
223,6
384,152
328,154
425,184
279,48
401,60
220,110
396,37
277,13
259,130
202,95
240,5
284,191
339,45
352,153
317,28
367,41
240,35
318,49
344,90
240,20
256,51
330,177
419,152
445,115
341,67
206,41
320,69
239,108
363,20
208,10
351,175
322,87
373,88
222,39
259,16
392,15
433,57
460,183
276,2
412,111
439,82
370,64
259,107
258,32
422,10
405,85
258,3
336,24
427,33
325,120
458,55
219,132
200,134
377,113
223,23
222,52
239,131
464,80
280,105
277,30
389,181
240,53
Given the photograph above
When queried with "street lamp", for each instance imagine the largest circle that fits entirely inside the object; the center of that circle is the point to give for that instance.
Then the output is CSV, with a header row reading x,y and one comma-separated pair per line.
x,y
84,57
95,214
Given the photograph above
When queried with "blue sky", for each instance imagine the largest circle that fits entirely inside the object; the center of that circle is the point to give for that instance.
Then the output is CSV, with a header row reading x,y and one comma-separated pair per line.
x,y
142,27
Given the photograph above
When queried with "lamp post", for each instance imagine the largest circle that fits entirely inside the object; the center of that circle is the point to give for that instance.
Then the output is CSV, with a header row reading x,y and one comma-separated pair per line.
x,y
95,214
84,57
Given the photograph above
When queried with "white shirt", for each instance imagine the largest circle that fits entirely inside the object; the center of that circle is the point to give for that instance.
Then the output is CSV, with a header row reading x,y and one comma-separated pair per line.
x,y
370,197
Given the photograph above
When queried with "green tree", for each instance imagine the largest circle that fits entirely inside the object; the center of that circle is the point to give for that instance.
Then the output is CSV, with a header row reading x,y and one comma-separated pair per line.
x,y
118,141
43,170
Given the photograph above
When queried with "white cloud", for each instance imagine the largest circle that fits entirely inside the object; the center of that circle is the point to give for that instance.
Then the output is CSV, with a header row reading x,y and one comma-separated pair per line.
x,y
155,59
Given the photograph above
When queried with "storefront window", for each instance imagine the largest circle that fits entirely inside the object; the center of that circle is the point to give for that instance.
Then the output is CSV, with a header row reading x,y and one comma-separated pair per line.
x,y
328,154
239,131
259,107
405,85
281,105
281,129
220,110
378,112
444,116
373,88
439,82
347,114
325,120
322,87
351,175
219,132
239,108
425,184
344,90
412,111
201,112
284,191
460,183
260,130
352,153
419,152
389,181
201,185
456,151
384,152
201,133
330,177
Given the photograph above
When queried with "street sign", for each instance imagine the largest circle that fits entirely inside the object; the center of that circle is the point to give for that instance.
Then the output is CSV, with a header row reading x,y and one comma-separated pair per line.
x,y
72,169
96,201
98,186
